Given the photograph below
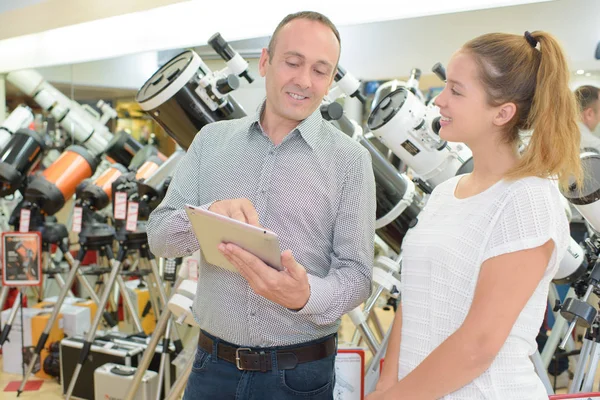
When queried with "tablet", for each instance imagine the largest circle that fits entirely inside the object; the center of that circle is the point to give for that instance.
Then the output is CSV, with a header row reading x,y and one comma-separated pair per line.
x,y
211,229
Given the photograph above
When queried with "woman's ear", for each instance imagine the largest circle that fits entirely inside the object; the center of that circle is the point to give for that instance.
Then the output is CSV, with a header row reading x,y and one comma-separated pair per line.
x,y
505,114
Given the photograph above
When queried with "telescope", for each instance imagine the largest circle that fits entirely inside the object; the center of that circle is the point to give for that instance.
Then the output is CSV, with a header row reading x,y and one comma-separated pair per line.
x,y
184,95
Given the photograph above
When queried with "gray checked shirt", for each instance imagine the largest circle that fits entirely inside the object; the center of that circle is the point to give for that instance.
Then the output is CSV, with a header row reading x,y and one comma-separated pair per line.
x,y
315,190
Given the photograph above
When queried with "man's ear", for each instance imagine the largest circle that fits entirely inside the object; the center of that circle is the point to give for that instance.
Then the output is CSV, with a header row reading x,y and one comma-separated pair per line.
x,y
262,63
587,114
505,114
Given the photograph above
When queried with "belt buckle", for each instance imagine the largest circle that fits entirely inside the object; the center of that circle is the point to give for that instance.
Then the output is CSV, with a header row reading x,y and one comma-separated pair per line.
x,y
237,356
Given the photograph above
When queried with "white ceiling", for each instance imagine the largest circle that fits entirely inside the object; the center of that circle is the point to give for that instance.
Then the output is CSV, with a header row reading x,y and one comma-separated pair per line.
x,y
391,49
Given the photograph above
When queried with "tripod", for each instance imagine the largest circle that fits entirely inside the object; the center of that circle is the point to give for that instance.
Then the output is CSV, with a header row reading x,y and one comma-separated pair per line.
x,y
52,233
583,381
97,237
137,241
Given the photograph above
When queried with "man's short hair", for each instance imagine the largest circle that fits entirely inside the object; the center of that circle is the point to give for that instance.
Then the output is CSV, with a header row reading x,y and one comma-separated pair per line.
x,y
309,15
587,96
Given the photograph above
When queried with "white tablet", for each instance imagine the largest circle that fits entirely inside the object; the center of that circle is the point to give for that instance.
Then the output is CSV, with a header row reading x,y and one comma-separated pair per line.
x,y
211,229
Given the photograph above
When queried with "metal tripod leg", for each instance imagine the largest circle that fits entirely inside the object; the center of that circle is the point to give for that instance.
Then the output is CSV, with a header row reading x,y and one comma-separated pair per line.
x,y
360,321
55,312
3,296
369,304
129,304
144,363
83,355
581,366
162,292
588,382
558,330
372,370
536,359
11,319
181,382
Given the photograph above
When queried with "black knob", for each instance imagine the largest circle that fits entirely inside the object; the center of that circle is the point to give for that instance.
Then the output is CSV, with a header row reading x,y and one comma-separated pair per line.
x,y
358,95
247,76
332,111
228,84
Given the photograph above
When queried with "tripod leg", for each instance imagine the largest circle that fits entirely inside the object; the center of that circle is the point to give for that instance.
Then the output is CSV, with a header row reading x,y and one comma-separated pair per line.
x,y
179,385
581,366
55,311
129,304
558,330
372,370
162,292
3,296
144,363
11,318
360,321
588,383
83,355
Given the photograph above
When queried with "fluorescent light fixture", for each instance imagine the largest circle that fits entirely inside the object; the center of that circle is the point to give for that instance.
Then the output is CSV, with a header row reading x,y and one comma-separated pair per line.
x,y
588,74
191,23
580,72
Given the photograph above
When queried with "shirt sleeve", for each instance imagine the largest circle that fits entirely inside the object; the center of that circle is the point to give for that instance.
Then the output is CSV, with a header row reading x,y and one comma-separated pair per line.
x,y
348,282
531,216
169,230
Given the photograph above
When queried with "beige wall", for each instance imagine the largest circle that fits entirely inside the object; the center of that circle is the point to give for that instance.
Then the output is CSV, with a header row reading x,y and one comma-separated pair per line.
x,y
44,16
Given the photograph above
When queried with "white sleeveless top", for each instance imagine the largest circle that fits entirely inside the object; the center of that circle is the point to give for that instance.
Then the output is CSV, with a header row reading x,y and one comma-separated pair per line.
x,y
442,256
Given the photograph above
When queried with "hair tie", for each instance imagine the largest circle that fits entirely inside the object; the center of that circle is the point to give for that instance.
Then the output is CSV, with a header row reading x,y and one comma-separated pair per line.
x,y
530,39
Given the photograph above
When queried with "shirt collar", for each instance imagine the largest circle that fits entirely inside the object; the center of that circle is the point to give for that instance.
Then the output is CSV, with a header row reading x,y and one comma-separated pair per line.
x,y
583,128
309,128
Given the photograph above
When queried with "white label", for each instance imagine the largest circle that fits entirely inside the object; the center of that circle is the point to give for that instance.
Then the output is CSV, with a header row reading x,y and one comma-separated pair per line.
x,y
132,216
77,218
120,210
24,222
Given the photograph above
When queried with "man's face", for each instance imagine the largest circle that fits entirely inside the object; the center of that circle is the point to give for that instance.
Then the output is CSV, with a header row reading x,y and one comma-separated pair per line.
x,y
300,70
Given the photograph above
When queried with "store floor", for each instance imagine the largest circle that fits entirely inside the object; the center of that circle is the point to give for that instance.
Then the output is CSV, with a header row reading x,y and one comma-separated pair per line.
x,y
51,390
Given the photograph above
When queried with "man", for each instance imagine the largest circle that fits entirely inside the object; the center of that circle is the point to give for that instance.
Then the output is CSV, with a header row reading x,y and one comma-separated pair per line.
x,y
268,334
589,107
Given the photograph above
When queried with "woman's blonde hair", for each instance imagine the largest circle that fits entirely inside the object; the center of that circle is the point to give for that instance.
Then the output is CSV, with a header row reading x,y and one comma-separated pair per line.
x,y
512,70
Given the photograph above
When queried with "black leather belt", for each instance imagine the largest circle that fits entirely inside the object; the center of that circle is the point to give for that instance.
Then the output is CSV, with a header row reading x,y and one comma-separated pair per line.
x,y
248,359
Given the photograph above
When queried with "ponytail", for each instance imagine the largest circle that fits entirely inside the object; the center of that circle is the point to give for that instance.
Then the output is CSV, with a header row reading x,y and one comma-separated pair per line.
x,y
512,69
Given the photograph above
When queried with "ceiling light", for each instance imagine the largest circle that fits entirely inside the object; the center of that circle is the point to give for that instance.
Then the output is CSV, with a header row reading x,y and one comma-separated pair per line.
x,y
580,72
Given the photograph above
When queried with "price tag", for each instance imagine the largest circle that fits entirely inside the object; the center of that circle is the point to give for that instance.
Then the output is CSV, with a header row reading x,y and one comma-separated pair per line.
x,y
120,210
77,218
25,218
132,216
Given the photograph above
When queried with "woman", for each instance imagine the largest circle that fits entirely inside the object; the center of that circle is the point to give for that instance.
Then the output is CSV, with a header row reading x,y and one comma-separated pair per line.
x,y
477,265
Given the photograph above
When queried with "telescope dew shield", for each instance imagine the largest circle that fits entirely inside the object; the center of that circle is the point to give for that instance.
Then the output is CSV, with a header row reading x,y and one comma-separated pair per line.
x,y
154,186
59,181
405,125
148,168
391,188
20,118
123,147
586,199
18,158
99,192
573,265
170,97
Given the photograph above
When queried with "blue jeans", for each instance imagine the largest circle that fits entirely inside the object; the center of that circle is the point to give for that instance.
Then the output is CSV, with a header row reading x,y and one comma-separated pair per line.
x,y
216,379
